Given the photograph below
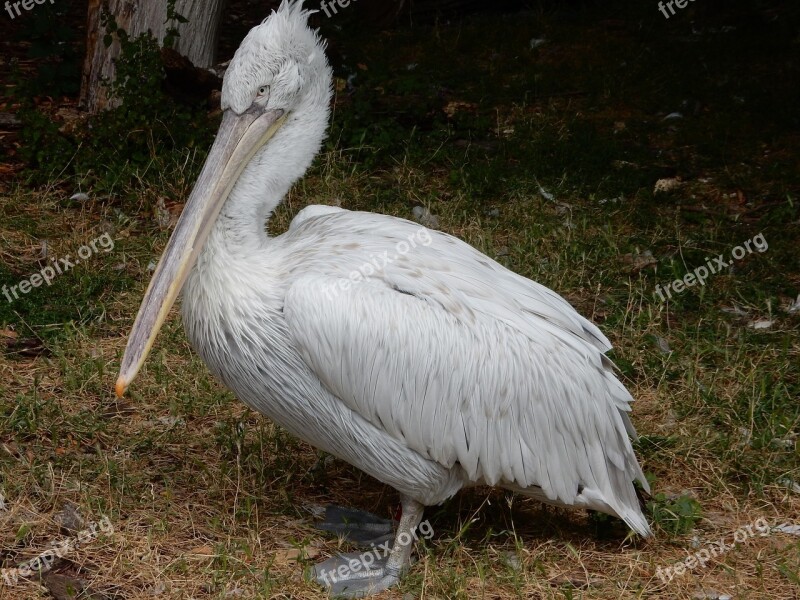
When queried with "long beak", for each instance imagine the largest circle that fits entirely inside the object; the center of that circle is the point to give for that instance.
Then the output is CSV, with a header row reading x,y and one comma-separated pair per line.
x,y
238,139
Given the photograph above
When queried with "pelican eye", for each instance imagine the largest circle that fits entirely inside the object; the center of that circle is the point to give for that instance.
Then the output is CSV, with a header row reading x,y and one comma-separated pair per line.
x,y
263,92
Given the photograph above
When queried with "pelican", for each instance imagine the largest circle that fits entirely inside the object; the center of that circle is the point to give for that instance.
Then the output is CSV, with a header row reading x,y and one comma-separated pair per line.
x,y
401,350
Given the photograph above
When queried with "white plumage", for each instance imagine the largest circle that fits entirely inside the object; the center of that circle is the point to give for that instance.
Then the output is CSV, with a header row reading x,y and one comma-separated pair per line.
x,y
442,355
401,350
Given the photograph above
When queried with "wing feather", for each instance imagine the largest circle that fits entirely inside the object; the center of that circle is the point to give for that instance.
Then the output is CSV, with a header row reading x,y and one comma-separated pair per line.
x,y
466,362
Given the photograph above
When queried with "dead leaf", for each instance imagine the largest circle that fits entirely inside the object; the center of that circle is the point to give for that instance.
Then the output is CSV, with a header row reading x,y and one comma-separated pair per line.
x,y
639,260
204,550
167,215
67,587
26,348
455,106
576,581
668,184
288,556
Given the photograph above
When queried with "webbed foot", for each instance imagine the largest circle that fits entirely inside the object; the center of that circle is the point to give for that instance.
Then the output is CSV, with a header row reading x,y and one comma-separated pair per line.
x,y
356,574
357,526
361,574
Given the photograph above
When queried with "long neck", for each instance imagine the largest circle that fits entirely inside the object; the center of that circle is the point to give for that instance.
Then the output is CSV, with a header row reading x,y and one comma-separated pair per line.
x,y
241,226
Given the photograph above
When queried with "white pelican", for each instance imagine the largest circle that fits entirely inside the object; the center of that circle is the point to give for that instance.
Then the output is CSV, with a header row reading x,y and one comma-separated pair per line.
x,y
401,350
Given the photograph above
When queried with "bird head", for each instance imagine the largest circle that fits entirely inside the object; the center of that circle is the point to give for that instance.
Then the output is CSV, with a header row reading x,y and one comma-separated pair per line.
x,y
279,70
277,65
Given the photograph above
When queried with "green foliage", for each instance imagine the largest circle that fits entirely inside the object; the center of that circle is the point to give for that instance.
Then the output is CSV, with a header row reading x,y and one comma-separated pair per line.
x,y
173,18
143,129
42,146
676,516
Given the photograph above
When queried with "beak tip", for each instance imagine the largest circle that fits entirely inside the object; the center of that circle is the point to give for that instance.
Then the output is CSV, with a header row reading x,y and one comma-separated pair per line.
x,y
120,387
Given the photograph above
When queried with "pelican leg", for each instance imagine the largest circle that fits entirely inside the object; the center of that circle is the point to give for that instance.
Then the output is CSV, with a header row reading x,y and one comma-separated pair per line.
x,y
357,575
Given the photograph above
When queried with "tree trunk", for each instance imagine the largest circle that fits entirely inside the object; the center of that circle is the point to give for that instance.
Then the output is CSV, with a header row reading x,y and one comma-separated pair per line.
x,y
197,41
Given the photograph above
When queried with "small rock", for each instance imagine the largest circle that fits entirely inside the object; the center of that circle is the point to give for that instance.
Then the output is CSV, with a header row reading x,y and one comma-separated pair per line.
x,y
70,520
170,421
424,217
710,595
673,115
80,197
536,42
783,443
734,310
234,592
511,560
761,324
787,528
662,344
158,589
790,484
745,434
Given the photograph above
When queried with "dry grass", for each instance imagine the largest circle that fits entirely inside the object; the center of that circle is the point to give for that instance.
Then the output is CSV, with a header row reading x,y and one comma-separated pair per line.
x,y
196,517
